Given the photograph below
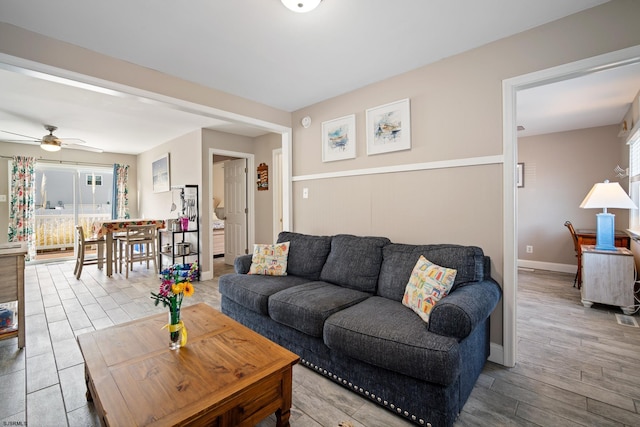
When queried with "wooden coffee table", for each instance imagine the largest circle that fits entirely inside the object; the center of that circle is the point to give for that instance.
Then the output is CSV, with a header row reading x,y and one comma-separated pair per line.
x,y
227,375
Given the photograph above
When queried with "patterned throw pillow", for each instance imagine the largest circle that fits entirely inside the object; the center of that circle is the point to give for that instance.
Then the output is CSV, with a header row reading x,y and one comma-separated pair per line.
x,y
429,283
270,260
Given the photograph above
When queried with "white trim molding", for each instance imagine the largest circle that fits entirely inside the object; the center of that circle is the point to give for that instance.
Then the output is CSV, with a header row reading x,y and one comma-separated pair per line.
x,y
496,353
443,164
548,266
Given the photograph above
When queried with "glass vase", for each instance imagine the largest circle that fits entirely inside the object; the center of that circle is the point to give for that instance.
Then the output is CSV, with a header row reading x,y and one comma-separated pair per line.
x,y
174,329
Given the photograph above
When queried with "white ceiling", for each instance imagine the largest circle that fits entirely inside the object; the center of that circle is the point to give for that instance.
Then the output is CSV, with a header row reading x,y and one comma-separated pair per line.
x,y
261,51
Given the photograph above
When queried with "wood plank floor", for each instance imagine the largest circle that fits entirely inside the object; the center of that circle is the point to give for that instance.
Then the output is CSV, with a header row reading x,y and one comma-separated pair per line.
x,y
576,366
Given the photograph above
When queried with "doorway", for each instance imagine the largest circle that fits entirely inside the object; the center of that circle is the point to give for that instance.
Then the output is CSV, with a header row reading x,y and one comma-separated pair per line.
x,y
510,150
223,241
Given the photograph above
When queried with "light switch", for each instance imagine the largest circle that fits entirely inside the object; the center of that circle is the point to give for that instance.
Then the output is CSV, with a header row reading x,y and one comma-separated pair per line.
x,y
3,197
305,193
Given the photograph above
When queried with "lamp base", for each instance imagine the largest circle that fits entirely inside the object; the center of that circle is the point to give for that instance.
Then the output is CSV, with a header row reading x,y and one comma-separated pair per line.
x,y
605,232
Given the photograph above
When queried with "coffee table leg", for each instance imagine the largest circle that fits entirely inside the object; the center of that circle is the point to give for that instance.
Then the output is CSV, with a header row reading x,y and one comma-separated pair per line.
x,y
282,418
283,414
87,380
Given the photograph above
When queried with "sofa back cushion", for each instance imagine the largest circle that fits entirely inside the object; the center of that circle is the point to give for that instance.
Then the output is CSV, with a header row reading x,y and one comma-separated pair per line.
x,y
399,260
354,262
307,254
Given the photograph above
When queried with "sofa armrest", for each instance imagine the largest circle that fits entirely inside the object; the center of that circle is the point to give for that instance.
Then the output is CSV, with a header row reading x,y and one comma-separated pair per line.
x,y
460,312
242,264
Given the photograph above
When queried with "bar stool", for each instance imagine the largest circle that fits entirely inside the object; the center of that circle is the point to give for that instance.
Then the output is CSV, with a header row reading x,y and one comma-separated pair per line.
x,y
82,249
145,236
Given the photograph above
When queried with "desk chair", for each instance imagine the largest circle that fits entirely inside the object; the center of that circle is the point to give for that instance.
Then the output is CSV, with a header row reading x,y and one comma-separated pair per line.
x,y
146,237
83,243
576,246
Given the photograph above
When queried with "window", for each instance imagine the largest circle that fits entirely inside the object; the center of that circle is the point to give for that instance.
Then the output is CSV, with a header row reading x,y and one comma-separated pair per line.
x,y
634,180
91,178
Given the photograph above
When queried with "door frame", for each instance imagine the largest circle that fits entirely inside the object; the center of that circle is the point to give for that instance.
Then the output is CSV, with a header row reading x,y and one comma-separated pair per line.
x,y
276,160
510,87
251,232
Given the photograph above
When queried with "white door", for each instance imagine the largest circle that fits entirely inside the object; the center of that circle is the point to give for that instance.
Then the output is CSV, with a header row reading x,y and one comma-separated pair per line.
x,y
235,204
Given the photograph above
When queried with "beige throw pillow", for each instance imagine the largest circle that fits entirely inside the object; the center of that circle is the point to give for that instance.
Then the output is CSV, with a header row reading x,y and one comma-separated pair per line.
x,y
428,284
270,260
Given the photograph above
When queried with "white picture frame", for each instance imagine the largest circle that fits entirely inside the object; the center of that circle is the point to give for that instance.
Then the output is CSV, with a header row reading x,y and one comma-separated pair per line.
x,y
389,127
339,139
161,174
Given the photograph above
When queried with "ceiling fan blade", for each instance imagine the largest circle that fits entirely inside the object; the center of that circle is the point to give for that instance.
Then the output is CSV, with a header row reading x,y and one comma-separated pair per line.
x,y
72,141
19,134
81,147
21,141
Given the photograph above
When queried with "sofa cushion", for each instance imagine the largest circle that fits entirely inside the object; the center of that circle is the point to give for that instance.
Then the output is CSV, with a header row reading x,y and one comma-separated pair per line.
x,y
252,291
387,334
307,254
354,262
428,284
270,260
399,259
306,307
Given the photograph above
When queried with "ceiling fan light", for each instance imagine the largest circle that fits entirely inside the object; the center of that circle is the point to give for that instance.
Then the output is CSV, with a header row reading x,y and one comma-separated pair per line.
x,y
50,145
301,6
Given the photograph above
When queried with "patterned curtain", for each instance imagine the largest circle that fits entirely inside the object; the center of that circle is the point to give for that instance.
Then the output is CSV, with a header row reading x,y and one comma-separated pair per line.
x,y
22,206
120,209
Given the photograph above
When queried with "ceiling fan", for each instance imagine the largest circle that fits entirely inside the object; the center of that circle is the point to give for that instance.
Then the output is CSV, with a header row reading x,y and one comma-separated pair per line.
x,y
51,142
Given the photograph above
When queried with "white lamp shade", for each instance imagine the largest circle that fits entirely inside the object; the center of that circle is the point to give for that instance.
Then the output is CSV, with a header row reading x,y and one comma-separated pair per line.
x,y
607,195
301,6
49,146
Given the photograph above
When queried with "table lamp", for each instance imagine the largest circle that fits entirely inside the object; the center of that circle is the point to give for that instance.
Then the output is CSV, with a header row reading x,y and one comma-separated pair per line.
x,y
606,195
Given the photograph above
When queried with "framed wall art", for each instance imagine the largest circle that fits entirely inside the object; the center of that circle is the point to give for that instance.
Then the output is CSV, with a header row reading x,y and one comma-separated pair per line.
x,y
339,139
160,173
389,127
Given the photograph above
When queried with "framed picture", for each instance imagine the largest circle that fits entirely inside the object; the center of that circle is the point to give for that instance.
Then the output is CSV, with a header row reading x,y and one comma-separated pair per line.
x,y
520,175
161,175
339,139
389,127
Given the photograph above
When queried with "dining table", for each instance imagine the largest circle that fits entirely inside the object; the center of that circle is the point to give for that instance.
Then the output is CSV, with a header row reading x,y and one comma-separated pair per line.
x,y
106,229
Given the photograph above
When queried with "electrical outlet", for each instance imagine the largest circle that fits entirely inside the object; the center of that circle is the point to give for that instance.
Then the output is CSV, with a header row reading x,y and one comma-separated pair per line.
x,y
529,249
3,197
305,193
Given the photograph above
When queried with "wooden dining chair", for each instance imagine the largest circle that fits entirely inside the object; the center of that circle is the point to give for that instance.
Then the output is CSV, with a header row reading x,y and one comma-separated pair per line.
x,y
576,246
83,244
144,238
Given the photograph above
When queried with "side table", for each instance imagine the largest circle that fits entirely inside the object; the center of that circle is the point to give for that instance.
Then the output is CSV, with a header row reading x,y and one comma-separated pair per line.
x,y
12,284
607,277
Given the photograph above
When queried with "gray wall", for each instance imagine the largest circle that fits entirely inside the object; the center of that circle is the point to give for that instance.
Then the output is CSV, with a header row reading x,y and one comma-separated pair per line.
x,y
560,169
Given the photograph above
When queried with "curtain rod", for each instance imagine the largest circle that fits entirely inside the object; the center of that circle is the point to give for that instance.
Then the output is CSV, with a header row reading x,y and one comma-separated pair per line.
x,y
63,162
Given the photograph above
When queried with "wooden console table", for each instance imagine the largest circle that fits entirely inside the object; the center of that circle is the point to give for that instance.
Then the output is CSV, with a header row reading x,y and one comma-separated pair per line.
x,y
607,277
588,237
12,284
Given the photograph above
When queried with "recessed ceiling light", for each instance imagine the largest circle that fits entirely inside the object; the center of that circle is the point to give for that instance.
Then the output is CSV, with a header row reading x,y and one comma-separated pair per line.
x,y
301,6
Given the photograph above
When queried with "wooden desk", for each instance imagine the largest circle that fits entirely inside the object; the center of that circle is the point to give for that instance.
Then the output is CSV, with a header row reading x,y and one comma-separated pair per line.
x,y
227,375
588,237
107,228
12,284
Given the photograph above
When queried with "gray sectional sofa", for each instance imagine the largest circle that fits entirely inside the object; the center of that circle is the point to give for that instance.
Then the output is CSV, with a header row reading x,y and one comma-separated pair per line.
x,y
340,309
